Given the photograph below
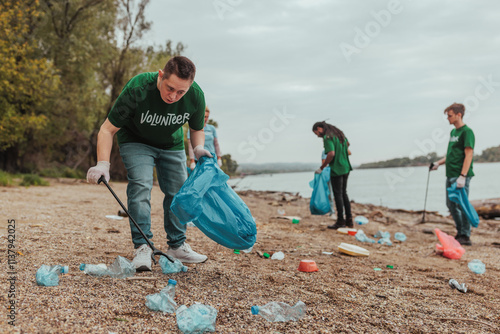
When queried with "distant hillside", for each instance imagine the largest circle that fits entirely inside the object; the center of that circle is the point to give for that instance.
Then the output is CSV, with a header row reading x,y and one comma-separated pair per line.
x,y
402,162
491,154
279,167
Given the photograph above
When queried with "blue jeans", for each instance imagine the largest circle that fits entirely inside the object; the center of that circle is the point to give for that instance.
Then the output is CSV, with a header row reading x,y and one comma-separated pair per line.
x,y
139,160
456,211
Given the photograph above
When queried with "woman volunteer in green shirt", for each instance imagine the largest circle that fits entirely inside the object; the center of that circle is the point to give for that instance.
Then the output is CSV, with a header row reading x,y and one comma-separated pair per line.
x,y
337,156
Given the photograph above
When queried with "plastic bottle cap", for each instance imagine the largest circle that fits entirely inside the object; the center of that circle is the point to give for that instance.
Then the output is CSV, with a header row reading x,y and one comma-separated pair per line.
x,y
172,281
390,266
266,255
236,251
255,310
82,266
64,269
295,221
184,269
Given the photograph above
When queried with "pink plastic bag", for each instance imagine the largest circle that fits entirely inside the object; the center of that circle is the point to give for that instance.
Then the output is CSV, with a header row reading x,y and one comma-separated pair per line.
x,y
450,248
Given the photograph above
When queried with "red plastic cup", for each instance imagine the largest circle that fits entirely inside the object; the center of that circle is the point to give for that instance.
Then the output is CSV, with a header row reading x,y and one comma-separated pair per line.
x,y
308,266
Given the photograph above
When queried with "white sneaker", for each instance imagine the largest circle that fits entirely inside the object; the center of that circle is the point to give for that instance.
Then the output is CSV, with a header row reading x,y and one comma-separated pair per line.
x,y
186,255
142,258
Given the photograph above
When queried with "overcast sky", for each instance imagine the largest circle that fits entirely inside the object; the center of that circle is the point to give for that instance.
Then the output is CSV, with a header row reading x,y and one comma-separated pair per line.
x,y
381,71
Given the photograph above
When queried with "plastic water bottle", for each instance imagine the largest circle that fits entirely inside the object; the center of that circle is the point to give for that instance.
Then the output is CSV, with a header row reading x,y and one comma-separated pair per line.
x,y
49,275
477,267
97,270
278,256
278,311
121,268
400,236
361,220
168,267
385,241
455,285
198,318
361,236
163,301
383,235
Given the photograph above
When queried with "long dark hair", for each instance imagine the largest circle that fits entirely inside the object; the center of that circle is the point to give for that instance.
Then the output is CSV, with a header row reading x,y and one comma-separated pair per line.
x,y
330,130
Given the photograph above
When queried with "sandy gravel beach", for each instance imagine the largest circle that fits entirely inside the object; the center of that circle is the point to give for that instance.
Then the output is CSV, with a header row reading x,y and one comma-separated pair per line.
x,y
65,223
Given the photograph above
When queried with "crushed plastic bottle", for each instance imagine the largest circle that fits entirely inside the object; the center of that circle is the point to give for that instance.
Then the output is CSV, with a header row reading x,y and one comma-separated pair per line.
x,y
361,220
399,236
168,267
198,318
361,236
49,275
477,267
382,234
96,270
163,301
280,312
385,241
248,250
278,256
121,268
455,285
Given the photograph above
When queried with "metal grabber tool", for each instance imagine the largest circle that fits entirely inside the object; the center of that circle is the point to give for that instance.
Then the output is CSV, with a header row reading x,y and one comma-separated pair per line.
x,y
153,248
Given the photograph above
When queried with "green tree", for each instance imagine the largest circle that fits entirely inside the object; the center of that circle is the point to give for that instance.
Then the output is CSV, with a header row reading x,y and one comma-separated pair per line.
x,y
27,81
229,165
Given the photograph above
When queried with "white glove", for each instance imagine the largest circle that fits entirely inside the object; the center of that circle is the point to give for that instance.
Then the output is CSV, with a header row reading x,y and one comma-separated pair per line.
x,y
318,171
192,165
434,166
95,173
219,162
461,181
199,152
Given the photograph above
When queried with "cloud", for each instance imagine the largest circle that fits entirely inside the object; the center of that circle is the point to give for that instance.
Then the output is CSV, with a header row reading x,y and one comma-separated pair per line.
x,y
267,55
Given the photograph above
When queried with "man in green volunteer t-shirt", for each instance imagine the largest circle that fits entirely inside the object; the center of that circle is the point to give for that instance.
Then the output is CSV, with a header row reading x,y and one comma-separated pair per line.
x,y
459,162
147,118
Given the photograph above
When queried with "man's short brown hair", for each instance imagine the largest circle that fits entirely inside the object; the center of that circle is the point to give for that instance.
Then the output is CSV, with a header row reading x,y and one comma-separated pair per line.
x,y
457,108
181,67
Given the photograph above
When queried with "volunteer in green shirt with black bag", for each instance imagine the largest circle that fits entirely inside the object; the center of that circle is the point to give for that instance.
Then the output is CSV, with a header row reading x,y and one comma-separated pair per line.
x,y
337,156
459,163
147,118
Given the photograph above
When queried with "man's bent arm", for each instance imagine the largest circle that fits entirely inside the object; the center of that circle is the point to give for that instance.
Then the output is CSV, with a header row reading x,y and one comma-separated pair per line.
x,y
105,140
469,153
197,137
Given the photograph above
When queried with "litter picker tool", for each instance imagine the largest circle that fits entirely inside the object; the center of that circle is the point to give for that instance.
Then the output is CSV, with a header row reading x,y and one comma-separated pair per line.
x,y
153,248
426,191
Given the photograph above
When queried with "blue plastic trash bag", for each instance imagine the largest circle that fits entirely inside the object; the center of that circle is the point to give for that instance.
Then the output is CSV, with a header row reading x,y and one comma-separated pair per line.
x,y
458,195
320,198
209,202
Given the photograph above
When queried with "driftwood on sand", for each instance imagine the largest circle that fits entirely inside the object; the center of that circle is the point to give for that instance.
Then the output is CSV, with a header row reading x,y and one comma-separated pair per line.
x,y
487,208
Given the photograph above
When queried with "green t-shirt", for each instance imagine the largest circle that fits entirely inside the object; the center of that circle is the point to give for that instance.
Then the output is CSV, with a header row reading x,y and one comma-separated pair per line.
x,y
459,140
144,117
340,164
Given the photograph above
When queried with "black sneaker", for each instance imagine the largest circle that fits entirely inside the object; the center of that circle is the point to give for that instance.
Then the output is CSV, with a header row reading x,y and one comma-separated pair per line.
x,y
464,240
337,225
349,223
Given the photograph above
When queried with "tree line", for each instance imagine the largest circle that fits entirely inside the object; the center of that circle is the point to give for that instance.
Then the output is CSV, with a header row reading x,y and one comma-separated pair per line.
x,y
491,154
64,64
